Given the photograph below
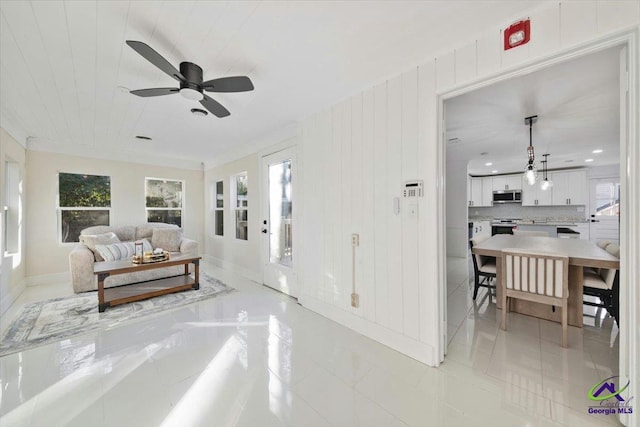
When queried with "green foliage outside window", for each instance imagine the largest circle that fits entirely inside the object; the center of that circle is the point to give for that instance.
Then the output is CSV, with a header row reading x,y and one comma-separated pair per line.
x,y
84,191
78,197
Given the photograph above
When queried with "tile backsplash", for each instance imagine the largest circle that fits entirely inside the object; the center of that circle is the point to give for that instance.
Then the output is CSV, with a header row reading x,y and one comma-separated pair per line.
x,y
514,210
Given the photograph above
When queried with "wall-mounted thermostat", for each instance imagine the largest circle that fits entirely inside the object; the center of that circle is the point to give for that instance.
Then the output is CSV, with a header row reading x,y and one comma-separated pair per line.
x,y
412,189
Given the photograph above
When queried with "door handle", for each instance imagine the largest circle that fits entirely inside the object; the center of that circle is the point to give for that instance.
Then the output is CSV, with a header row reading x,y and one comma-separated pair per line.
x,y
265,231
595,220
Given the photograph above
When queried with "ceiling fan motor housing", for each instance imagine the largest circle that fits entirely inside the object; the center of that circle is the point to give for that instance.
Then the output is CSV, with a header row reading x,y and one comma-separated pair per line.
x,y
192,74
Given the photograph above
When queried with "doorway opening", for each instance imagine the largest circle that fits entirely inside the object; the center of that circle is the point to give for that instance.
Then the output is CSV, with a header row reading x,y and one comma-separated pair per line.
x,y
475,336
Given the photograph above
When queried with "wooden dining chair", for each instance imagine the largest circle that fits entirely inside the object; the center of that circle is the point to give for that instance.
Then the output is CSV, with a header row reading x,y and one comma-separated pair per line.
x,y
604,283
530,233
484,268
537,277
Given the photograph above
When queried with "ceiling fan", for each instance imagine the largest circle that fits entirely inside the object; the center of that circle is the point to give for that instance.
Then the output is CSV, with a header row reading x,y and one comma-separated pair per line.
x,y
190,78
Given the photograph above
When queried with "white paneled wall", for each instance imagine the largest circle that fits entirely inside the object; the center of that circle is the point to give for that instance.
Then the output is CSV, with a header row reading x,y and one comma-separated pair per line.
x,y
358,154
357,157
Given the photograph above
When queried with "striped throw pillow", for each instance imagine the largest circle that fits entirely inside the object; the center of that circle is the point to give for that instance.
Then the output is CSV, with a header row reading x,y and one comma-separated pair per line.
x,y
123,250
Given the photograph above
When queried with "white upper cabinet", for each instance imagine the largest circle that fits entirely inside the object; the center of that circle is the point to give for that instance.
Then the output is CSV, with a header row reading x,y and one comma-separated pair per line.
x,y
514,182
533,195
569,188
507,182
481,192
487,191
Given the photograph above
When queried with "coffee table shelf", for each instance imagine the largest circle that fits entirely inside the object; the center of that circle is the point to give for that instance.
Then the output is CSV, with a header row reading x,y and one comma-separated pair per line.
x,y
123,294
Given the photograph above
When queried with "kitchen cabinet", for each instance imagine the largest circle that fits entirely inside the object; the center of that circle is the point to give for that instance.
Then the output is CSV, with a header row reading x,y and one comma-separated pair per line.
x,y
507,182
582,228
551,230
533,195
481,192
569,188
481,228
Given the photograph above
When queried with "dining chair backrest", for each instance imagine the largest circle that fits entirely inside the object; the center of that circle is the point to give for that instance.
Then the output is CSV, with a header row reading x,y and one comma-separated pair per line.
x,y
479,260
609,274
603,243
530,233
613,249
537,273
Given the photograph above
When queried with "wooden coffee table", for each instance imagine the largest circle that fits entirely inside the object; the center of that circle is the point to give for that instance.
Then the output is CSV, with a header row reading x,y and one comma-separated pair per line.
x,y
138,291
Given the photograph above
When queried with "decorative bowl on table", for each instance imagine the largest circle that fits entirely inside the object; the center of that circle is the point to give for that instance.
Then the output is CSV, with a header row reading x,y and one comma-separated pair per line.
x,y
149,256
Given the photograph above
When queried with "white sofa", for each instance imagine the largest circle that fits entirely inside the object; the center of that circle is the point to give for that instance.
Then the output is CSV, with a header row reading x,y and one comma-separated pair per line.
x,y
82,259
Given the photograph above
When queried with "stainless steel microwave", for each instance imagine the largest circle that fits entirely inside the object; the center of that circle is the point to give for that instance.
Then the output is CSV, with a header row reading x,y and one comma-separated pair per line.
x,y
507,196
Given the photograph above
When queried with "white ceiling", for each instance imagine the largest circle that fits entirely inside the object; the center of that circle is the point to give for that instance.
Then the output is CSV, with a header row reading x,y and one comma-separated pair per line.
x,y
61,64
577,103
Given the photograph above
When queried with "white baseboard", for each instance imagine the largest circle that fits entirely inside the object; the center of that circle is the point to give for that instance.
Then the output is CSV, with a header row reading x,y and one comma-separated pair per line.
x,y
420,351
9,297
226,265
49,279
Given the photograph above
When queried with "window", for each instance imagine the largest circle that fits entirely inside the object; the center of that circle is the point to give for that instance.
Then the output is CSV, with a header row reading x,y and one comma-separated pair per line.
x,y
12,209
164,200
240,203
83,201
218,209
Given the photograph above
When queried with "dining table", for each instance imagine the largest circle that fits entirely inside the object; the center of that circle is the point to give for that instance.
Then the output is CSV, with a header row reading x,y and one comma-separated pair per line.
x,y
581,253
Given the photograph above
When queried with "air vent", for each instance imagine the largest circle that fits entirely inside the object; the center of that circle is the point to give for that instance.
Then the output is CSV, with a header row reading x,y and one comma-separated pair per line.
x,y
142,137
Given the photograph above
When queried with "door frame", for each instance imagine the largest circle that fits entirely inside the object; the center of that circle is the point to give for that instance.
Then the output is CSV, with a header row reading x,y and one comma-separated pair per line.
x,y
629,187
295,217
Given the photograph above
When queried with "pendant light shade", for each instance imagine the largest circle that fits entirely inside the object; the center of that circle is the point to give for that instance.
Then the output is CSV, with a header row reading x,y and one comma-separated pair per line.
x,y
546,183
530,170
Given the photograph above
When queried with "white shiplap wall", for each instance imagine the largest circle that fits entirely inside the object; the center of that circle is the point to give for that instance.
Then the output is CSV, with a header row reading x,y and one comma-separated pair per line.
x,y
358,154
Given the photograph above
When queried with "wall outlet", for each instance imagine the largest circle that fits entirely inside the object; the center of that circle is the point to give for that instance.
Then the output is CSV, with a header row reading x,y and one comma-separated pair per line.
x,y
355,300
355,240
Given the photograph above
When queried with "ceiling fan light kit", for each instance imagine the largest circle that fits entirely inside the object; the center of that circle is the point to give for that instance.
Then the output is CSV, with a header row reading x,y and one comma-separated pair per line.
x,y
530,171
199,112
190,78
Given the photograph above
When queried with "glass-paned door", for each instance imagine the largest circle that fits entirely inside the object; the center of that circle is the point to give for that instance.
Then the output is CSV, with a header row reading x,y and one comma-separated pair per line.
x,y
605,209
278,229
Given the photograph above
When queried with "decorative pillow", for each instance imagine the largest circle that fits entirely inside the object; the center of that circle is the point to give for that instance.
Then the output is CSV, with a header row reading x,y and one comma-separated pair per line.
x,y
123,250
146,230
167,238
92,240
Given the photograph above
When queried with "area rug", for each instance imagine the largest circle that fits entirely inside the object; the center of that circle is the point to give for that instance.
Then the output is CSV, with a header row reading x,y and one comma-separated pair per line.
x,y
53,320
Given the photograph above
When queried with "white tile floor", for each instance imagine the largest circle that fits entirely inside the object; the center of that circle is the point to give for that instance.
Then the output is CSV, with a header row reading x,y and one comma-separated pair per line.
x,y
256,358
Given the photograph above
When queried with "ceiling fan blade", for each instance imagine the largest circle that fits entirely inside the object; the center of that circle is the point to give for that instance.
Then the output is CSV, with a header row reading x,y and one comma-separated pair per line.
x,y
156,59
228,84
158,91
214,107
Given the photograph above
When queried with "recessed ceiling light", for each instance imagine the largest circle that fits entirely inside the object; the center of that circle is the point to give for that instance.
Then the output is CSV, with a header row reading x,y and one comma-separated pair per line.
x,y
199,112
588,160
144,138
598,151
488,164
494,171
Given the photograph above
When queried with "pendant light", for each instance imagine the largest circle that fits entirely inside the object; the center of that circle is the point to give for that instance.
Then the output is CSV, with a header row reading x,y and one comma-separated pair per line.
x,y
545,184
530,171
